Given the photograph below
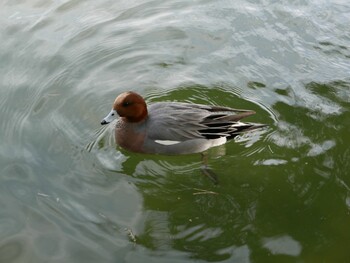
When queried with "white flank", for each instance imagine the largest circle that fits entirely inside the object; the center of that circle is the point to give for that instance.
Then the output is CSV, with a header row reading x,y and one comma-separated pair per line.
x,y
218,141
164,142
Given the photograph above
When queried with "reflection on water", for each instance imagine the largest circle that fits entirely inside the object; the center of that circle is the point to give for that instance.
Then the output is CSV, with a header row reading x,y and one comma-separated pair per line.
x,y
68,193
284,245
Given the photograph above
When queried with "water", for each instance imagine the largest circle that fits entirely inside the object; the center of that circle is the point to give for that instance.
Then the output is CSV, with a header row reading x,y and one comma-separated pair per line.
x,y
68,194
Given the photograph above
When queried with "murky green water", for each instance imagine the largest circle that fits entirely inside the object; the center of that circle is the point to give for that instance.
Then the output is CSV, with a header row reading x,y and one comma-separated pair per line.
x,y
68,194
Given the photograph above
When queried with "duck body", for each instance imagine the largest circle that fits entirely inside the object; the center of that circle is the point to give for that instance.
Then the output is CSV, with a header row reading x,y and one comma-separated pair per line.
x,y
174,127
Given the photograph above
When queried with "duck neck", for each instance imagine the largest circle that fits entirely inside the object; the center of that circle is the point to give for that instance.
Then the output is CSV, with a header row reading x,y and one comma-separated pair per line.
x,y
140,117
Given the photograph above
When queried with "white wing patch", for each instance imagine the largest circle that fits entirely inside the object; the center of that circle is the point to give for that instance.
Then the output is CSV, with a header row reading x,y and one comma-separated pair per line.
x,y
165,142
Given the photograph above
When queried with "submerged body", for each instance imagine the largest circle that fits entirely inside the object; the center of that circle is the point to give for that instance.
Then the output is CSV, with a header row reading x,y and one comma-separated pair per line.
x,y
173,127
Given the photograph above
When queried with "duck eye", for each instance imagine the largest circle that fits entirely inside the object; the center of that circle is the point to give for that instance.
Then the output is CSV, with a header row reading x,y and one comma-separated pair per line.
x,y
112,114
126,103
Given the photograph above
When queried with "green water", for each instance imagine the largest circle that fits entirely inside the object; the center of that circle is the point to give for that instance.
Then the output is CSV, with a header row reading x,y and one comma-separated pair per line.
x,y
68,194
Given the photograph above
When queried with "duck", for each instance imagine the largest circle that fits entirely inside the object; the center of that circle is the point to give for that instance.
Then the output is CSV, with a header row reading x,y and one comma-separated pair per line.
x,y
174,128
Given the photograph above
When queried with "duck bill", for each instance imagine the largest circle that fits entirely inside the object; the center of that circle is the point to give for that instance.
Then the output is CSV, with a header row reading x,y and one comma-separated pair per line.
x,y
109,118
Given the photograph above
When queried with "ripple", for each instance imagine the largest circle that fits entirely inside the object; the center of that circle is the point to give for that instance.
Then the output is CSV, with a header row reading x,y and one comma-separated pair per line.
x,y
12,251
68,5
271,162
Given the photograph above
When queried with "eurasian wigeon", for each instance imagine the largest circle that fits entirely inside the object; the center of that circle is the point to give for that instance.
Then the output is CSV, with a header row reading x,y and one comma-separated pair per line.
x,y
174,127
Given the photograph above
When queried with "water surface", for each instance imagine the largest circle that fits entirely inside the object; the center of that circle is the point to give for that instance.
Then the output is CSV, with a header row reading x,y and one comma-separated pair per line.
x,y
68,194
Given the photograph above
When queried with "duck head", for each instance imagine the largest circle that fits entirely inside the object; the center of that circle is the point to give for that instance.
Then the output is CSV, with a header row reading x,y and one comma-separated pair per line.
x,y
128,105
